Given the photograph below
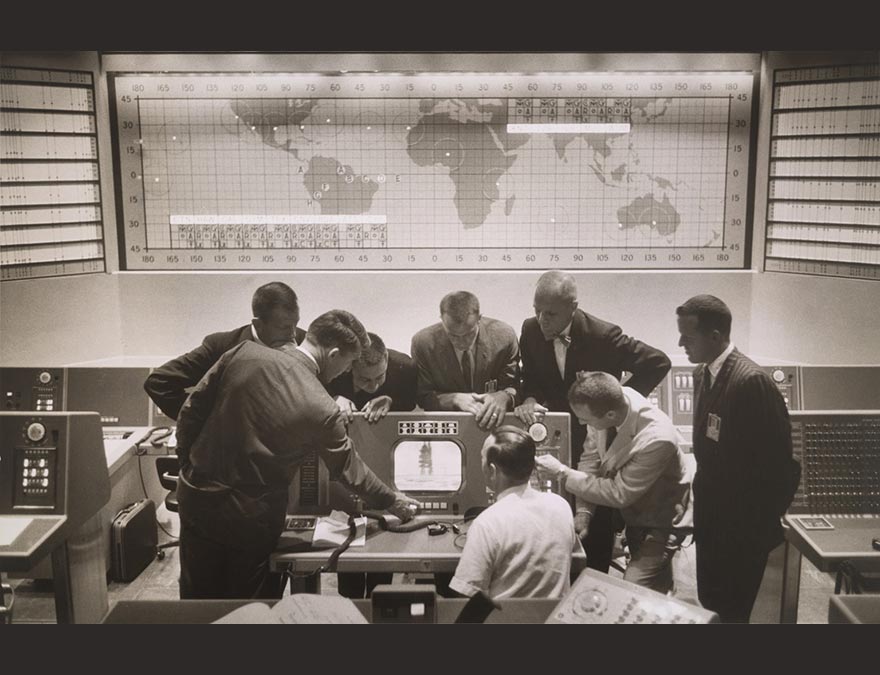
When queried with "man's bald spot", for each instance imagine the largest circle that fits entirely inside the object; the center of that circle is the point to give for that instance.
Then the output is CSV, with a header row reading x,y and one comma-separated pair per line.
x,y
558,285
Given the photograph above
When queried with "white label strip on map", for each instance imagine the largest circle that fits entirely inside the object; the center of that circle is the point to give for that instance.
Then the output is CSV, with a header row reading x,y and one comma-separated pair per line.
x,y
567,128
278,220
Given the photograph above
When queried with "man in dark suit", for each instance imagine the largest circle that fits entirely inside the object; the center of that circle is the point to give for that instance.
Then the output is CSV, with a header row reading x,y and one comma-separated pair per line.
x,y
251,421
276,313
742,444
467,362
556,343
381,380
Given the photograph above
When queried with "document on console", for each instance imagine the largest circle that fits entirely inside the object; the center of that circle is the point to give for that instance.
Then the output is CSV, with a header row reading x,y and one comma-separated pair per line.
x,y
298,608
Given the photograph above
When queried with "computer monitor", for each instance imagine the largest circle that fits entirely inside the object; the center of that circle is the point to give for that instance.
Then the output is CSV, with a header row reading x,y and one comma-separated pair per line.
x,y
433,457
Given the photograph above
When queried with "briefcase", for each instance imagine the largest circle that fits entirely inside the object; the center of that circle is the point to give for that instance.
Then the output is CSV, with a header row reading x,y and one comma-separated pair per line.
x,y
133,537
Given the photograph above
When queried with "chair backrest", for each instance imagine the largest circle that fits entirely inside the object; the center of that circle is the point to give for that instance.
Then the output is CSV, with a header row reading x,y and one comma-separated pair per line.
x,y
168,467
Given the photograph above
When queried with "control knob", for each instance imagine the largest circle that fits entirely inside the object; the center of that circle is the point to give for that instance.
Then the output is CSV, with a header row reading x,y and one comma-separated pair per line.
x,y
36,432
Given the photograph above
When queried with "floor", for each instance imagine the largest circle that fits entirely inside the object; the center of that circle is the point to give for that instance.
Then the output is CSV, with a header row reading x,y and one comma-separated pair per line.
x,y
34,600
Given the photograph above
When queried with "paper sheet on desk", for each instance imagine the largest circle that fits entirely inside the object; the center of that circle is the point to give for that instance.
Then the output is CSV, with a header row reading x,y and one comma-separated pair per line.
x,y
298,608
332,530
11,527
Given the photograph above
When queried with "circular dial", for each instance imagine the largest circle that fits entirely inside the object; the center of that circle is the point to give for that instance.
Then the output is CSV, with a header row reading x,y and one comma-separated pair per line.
x,y
45,377
538,432
778,375
36,432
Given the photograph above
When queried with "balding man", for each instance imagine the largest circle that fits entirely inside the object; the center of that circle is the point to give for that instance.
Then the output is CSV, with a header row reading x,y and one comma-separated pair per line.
x,y
467,362
555,344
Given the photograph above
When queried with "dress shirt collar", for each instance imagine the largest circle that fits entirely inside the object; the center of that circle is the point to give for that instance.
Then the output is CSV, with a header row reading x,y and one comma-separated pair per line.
x,y
513,490
311,358
715,366
260,342
469,350
564,335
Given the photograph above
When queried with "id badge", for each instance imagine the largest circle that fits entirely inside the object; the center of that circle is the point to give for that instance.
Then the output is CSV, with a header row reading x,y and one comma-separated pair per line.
x,y
713,430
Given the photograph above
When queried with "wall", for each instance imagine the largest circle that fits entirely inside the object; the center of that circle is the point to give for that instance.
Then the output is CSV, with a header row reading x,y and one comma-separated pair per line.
x,y
54,322
170,313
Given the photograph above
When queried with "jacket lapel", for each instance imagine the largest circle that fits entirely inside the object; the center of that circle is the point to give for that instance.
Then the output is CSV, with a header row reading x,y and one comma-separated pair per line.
x,y
448,362
578,335
481,359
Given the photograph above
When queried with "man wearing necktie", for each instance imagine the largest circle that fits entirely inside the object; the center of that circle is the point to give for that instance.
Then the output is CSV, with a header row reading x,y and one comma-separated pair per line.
x,y
745,475
555,344
467,362
636,466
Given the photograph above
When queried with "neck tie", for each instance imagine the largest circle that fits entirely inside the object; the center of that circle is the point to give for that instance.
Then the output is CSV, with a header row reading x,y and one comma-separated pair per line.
x,y
610,435
466,369
560,350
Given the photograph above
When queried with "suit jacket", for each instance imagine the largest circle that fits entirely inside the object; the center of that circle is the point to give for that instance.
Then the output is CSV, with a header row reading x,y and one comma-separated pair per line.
x,y
741,477
496,357
642,472
596,345
167,384
400,384
256,415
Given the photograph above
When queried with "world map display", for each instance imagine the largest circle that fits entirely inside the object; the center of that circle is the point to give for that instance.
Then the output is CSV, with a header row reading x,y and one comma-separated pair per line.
x,y
585,171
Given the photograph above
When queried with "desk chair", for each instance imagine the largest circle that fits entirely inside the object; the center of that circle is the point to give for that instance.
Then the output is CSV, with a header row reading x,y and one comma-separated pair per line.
x,y
168,468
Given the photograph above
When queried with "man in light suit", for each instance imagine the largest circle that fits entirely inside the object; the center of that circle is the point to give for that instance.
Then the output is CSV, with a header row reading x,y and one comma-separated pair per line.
x,y
637,467
746,475
276,313
557,343
245,429
467,362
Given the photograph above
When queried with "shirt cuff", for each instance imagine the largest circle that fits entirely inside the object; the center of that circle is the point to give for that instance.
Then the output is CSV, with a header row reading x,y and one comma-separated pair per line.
x,y
463,587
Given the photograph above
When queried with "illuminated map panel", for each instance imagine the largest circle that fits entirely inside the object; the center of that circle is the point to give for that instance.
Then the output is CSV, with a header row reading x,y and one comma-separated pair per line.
x,y
432,171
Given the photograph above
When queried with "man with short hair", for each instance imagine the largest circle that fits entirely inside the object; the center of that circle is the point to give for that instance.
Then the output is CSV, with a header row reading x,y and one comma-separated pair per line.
x,y
556,343
746,475
521,546
275,315
467,362
637,467
381,380
242,434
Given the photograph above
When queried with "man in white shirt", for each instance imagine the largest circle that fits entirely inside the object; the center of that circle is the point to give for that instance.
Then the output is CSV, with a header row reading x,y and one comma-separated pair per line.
x,y
522,545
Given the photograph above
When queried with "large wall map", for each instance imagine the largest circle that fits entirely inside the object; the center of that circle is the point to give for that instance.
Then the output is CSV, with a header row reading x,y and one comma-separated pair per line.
x,y
432,171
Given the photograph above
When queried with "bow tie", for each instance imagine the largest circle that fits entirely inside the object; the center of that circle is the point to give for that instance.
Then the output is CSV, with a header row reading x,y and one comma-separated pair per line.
x,y
564,339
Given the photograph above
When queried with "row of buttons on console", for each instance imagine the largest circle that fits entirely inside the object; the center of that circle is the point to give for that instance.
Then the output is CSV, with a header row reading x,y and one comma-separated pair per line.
x,y
434,505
